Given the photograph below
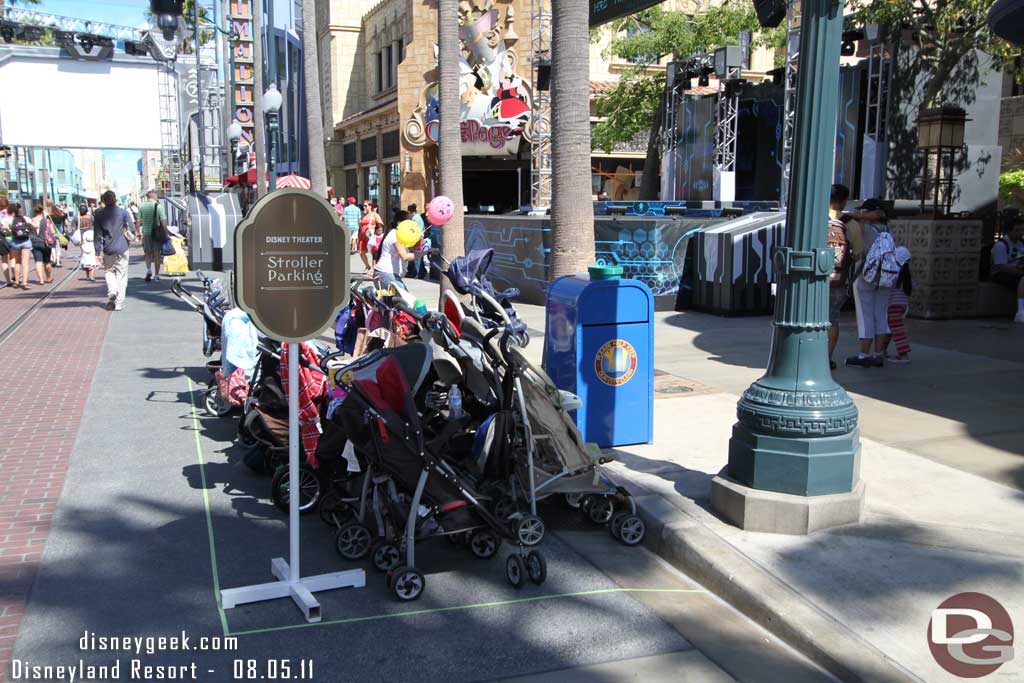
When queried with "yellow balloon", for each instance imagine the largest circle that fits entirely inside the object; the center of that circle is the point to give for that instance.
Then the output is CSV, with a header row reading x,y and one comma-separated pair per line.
x,y
408,234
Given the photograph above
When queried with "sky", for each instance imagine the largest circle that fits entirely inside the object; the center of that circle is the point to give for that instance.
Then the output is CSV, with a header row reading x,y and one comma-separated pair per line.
x,y
122,166
121,12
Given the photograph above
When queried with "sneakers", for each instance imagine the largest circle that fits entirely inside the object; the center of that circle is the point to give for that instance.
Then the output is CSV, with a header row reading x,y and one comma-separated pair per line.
x,y
860,361
899,360
149,276
110,304
877,361
118,307
156,278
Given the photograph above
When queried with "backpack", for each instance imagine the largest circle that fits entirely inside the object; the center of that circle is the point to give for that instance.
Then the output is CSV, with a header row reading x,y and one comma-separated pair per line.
x,y
47,232
837,240
880,267
20,229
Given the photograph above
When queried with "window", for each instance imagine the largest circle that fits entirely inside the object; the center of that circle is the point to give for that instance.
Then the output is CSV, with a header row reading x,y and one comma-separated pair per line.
x,y
394,186
62,176
371,180
390,144
369,150
349,154
380,71
389,54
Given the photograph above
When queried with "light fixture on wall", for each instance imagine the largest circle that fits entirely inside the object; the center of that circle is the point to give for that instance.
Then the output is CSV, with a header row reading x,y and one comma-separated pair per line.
x,y
408,163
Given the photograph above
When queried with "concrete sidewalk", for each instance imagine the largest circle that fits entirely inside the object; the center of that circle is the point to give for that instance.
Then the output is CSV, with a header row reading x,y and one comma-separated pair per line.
x,y
942,460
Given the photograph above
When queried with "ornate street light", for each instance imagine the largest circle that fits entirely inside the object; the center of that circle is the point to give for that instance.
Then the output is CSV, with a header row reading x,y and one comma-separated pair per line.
x,y
940,135
234,133
272,102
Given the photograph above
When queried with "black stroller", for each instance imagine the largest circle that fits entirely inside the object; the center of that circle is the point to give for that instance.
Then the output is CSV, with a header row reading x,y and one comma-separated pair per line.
x,y
379,417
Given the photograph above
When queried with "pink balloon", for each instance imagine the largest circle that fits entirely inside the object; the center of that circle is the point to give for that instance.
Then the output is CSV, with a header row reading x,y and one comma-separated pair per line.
x,y
440,210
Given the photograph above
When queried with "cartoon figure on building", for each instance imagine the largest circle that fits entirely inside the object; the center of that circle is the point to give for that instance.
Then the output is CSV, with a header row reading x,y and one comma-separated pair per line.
x,y
509,105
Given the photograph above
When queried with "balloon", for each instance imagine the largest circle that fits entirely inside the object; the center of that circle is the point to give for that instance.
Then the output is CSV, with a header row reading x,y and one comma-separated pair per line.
x,y
440,210
408,233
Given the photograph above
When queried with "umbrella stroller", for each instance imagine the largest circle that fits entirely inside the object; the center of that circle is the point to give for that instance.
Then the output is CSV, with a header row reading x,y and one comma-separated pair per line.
x,y
379,417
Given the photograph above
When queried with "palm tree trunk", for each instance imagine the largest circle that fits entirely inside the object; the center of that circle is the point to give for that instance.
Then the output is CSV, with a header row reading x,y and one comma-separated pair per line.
x,y
314,111
259,139
572,208
449,153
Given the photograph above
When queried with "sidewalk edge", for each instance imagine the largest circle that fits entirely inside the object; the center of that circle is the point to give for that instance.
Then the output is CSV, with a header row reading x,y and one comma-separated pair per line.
x,y
690,546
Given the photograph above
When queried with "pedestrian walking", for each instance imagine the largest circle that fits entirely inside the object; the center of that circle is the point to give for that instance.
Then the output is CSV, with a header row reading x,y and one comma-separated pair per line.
x,y
899,305
21,245
351,214
6,262
367,224
113,232
57,218
153,224
88,261
43,240
397,249
839,281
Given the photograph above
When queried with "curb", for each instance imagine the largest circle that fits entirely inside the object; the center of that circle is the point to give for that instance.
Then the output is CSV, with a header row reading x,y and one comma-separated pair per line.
x,y
693,548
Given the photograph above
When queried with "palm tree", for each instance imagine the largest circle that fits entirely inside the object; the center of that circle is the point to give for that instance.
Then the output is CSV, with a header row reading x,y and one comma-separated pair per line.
x,y
449,153
572,210
314,114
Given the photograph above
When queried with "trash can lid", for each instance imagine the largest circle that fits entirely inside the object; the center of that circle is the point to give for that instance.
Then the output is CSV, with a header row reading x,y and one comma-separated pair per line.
x,y
598,272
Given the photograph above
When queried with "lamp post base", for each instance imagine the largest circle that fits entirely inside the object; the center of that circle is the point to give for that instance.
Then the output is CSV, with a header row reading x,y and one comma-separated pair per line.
x,y
783,513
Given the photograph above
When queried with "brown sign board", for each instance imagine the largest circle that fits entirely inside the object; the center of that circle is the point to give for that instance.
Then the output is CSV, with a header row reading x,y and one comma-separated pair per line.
x,y
292,265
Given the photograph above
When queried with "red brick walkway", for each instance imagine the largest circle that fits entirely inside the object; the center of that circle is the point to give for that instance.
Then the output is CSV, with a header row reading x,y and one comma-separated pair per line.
x,y
52,358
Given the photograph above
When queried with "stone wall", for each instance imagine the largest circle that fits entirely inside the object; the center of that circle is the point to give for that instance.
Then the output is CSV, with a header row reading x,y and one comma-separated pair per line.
x,y
944,266
1011,132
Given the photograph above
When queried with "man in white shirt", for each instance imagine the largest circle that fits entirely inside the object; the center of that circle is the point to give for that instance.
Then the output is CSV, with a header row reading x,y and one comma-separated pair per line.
x,y
1008,264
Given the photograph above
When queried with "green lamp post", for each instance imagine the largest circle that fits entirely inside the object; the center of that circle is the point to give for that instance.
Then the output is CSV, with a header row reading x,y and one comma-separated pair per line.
x,y
794,452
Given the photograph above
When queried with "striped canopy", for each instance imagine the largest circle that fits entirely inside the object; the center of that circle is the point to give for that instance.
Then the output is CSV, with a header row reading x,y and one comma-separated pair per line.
x,y
293,180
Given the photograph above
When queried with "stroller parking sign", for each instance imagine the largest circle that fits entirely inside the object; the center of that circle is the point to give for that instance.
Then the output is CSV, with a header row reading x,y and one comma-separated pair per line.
x,y
615,362
292,265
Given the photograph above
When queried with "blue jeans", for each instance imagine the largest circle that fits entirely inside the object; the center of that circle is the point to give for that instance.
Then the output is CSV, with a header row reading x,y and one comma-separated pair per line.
x,y
383,279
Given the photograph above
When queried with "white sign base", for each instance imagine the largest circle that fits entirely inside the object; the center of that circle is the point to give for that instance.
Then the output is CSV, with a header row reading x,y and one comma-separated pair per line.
x,y
288,583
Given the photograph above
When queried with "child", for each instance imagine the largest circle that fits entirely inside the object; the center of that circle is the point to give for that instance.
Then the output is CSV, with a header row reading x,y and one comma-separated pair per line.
x,y
88,261
899,302
375,240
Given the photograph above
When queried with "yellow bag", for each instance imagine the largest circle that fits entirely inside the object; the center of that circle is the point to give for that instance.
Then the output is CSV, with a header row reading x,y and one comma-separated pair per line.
x,y
178,263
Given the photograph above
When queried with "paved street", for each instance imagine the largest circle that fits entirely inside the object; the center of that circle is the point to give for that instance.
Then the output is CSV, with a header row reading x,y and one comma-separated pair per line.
x,y
157,511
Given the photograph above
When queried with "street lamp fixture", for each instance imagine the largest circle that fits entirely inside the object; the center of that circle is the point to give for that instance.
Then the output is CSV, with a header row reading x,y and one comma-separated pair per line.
x,y
234,133
272,102
940,134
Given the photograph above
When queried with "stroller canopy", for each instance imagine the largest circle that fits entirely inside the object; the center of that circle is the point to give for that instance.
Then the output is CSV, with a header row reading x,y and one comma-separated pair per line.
x,y
466,273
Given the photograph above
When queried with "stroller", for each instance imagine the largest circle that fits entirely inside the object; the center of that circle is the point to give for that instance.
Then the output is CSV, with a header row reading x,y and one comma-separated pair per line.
x,y
379,417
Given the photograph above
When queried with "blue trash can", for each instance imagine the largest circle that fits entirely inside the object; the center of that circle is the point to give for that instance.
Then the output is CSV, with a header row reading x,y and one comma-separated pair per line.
x,y
599,344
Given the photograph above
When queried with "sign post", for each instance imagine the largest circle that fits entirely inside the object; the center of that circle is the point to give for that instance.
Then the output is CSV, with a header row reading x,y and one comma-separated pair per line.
x,y
292,278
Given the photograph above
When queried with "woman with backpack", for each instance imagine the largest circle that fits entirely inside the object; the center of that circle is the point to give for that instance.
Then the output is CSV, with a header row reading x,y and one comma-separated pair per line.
x,y
43,239
876,273
21,245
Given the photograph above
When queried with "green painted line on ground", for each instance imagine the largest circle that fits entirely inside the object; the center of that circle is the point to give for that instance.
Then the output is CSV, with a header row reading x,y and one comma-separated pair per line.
x,y
372,617
206,506
456,608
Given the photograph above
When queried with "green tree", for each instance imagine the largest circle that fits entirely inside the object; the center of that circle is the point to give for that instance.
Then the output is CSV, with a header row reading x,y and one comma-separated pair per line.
x,y
947,36
636,104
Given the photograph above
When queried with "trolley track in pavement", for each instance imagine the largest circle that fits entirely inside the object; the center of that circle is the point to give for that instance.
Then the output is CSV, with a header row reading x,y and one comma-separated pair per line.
x,y
24,316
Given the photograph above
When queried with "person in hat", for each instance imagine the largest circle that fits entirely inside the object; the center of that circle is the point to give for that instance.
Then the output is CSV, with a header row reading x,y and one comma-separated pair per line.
x,y
899,304
351,215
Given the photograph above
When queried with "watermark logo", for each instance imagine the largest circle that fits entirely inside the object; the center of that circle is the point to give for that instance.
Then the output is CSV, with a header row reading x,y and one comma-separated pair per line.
x,y
970,635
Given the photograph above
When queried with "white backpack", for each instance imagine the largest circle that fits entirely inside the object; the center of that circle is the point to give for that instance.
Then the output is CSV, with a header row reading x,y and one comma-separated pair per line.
x,y
880,267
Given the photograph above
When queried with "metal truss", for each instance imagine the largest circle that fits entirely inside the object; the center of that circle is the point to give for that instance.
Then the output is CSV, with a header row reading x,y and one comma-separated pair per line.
x,y
879,78
793,14
726,122
70,24
540,52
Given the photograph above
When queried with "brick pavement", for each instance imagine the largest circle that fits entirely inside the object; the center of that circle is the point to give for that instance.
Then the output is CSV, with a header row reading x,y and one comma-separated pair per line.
x,y
50,391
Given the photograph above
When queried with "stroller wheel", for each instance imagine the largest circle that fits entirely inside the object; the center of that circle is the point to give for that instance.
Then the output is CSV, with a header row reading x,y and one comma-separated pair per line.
x,y
530,530
386,556
573,500
505,508
515,570
214,405
309,489
246,438
334,512
353,541
484,544
391,575
631,530
536,567
408,584
600,509
616,524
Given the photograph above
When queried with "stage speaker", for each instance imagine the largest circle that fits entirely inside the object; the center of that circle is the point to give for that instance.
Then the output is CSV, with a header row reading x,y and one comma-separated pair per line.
x,y
726,59
544,75
770,13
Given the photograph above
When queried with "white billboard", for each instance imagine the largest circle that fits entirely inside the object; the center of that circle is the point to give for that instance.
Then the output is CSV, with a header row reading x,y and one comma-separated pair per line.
x,y
69,103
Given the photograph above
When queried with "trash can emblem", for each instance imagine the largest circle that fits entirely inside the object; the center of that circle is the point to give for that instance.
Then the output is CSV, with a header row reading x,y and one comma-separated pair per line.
x,y
615,363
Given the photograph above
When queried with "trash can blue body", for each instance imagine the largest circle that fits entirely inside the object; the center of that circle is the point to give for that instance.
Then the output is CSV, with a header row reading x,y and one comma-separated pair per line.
x,y
599,344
